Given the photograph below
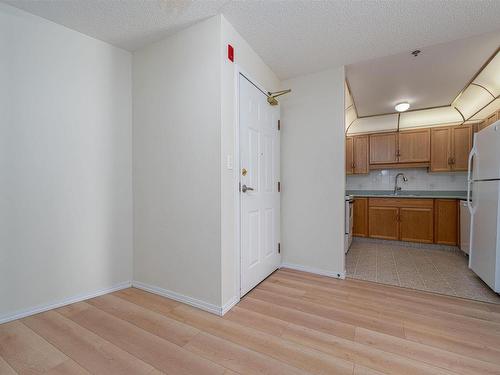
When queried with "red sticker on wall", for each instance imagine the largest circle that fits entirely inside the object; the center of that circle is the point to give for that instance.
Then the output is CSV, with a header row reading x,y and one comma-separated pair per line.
x,y
230,52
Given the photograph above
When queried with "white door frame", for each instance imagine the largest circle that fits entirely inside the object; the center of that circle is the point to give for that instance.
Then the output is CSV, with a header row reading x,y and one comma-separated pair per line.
x,y
236,175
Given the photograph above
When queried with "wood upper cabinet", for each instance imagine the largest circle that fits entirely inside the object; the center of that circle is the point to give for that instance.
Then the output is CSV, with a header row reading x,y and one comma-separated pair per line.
x,y
440,149
349,161
446,221
416,224
445,149
360,217
383,222
461,144
383,148
361,145
450,147
356,154
489,120
411,146
414,146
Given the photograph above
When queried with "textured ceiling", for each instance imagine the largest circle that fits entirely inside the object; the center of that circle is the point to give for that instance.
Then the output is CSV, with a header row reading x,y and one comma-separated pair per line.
x,y
433,78
293,37
129,24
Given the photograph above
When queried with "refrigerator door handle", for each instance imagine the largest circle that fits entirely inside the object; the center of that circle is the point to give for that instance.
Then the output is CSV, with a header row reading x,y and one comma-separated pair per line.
x,y
469,179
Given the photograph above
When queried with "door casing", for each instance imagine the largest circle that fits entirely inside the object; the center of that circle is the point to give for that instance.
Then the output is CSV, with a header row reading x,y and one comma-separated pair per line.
x,y
236,176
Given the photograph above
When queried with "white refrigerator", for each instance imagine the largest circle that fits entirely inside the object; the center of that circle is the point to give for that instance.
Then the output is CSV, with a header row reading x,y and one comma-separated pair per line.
x,y
483,195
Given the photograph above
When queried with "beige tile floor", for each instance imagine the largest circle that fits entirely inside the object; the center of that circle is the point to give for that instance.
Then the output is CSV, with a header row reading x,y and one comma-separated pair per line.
x,y
424,268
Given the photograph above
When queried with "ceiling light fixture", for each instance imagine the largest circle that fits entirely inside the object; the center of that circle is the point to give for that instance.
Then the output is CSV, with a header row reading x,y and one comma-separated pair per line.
x,y
401,107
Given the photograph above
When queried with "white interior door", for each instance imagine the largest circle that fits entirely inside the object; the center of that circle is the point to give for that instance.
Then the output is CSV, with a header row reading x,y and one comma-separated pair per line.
x,y
259,176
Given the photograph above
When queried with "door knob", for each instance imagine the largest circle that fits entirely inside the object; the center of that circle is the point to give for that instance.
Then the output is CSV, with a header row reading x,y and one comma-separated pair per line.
x,y
244,188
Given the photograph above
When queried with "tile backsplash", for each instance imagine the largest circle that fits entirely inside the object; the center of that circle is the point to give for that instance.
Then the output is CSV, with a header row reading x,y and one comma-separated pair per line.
x,y
418,179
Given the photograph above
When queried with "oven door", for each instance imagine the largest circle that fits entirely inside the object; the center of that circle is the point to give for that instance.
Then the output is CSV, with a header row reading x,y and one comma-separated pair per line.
x,y
348,216
348,224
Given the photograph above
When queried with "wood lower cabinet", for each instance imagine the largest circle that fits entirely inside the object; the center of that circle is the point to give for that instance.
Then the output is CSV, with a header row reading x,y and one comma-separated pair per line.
x,y
383,222
446,221
412,219
360,217
416,224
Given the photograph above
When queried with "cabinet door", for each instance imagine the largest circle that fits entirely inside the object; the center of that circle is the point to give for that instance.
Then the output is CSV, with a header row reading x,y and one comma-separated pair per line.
x,y
491,119
383,223
360,217
414,146
446,221
349,143
461,140
482,125
360,154
383,148
440,149
416,224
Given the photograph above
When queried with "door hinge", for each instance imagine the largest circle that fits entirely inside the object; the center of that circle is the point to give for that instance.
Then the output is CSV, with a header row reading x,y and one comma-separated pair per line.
x,y
279,124
279,248
279,187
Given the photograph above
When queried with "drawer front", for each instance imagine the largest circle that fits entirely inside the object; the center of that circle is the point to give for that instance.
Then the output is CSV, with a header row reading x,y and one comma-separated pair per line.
x,y
401,202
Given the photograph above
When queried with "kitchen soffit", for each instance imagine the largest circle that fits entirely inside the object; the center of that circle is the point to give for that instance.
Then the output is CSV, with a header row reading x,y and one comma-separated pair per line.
x,y
479,98
432,79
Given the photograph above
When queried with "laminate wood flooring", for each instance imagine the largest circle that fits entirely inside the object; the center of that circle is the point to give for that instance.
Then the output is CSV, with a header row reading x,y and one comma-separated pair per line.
x,y
292,323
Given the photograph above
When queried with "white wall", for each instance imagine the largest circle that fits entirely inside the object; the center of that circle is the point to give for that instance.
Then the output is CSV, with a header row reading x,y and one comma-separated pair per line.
x,y
65,163
176,169
312,172
418,179
67,170
252,64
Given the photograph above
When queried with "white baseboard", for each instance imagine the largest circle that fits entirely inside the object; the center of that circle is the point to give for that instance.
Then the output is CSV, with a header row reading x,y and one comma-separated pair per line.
x,y
206,306
317,271
229,305
67,301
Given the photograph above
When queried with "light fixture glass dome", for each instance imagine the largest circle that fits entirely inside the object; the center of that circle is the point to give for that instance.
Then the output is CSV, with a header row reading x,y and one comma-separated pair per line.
x,y
401,107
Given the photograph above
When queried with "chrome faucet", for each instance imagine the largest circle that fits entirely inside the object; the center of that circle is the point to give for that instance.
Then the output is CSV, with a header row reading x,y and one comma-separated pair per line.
x,y
396,187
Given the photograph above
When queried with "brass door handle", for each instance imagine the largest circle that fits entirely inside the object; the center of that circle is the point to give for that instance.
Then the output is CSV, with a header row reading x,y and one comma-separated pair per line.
x,y
244,188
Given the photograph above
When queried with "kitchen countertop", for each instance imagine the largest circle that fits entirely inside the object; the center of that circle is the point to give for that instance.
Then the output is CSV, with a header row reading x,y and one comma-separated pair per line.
x,y
409,194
